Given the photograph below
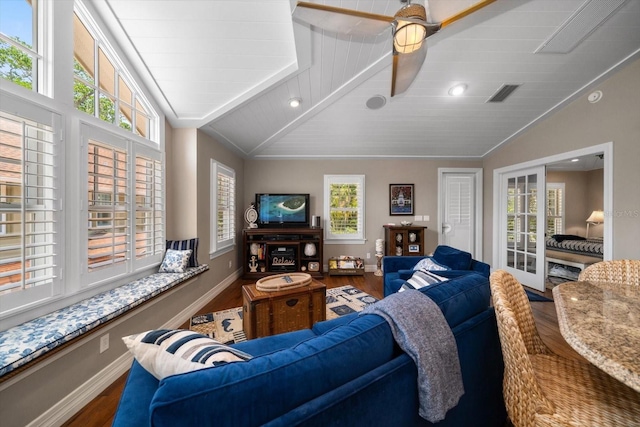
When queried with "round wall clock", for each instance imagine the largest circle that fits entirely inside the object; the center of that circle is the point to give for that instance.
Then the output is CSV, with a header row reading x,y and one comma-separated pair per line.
x,y
251,216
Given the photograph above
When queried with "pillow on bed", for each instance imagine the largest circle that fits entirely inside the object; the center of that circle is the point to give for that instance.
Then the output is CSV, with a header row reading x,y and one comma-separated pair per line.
x,y
562,237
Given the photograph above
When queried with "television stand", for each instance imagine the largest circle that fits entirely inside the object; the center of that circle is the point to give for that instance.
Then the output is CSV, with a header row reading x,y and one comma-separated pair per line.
x,y
267,251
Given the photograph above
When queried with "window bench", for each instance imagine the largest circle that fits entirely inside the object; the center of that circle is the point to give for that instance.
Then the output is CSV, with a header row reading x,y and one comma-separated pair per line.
x,y
22,344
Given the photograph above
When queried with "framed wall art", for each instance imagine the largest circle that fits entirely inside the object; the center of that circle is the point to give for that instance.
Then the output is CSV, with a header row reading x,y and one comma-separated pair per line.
x,y
401,199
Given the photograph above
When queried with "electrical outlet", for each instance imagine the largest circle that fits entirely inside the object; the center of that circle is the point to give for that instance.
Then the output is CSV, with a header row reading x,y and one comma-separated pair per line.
x,y
230,264
104,343
368,255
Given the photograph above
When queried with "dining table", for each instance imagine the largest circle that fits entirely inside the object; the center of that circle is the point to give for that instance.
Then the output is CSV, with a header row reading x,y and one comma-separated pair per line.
x,y
601,321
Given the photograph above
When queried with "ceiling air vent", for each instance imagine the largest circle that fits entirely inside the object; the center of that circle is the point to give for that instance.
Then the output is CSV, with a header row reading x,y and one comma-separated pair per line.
x,y
503,93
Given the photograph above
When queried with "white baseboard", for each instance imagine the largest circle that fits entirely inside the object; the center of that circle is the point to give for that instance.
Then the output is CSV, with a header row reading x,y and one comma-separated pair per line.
x,y
71,404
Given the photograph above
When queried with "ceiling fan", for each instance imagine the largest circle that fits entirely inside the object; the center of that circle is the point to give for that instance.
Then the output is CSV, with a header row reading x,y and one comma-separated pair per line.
x,y
410,26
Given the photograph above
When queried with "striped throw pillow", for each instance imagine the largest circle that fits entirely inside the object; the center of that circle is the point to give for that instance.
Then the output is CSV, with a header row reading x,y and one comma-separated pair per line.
x,y
420,279
166,352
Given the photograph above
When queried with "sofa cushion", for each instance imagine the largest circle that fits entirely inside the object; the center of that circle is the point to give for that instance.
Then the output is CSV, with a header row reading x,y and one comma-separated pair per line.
x,y
165,352
452,257
430,264
266,345
281,381
461,298
175,261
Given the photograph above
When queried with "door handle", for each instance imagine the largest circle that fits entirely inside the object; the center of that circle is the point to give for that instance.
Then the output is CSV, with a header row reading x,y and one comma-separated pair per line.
x,y
446,228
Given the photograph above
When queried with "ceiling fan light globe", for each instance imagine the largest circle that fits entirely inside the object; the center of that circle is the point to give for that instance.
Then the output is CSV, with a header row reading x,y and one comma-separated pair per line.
x,y
408,37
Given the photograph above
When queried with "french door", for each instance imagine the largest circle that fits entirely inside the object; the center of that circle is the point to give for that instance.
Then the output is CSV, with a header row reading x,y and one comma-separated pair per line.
x,y
522,201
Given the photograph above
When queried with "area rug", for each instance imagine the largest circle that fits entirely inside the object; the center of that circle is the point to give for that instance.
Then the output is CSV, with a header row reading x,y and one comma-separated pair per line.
x,y
536,297
226,325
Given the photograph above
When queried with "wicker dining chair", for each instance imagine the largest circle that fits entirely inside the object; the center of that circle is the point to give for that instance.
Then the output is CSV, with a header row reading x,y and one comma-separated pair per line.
x,y
620,272
542,388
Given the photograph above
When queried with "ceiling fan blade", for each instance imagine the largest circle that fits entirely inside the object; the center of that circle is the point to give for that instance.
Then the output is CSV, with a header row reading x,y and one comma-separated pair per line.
x,y
342,21
405,69
448,11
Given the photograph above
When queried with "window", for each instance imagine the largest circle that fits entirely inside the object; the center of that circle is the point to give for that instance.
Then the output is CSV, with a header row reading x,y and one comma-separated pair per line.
x,y
344,207
223,207
28,204
149,233
555,208
102,88
107,206
81,202
19,58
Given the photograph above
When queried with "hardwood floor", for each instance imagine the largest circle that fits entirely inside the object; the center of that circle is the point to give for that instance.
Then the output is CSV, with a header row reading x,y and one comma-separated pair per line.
x,y
100,411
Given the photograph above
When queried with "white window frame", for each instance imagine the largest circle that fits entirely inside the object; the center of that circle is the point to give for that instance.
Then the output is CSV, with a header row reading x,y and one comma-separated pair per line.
x,y
221,246
157,208
357,238
91,133
556,186
121,73
15,301
72,283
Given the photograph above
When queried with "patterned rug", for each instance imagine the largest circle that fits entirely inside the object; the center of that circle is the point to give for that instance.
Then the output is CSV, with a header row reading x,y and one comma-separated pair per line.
x,y
226,325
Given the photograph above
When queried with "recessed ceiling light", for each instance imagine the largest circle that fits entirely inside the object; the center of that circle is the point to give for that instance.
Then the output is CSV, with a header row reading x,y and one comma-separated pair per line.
x,y
575,160
457,90
295,102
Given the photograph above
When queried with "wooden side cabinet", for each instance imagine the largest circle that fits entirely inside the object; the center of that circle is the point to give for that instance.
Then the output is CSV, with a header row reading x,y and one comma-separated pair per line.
x,y
403,241
268,251
271,313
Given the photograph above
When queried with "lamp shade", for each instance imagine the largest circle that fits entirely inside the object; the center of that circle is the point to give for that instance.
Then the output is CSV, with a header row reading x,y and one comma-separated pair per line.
x,y
596,217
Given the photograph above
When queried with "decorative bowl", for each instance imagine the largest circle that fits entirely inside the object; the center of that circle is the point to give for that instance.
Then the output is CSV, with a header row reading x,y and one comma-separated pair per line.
x,y
405,223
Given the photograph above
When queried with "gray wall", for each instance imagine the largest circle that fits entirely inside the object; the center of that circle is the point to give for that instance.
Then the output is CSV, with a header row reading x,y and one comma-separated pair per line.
x,y
616,117
307,176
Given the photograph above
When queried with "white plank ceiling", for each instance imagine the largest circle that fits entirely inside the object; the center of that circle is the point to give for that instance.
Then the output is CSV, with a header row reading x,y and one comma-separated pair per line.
x,y
230,68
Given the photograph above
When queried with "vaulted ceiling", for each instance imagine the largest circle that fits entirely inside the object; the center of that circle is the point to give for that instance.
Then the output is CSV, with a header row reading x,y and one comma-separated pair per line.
x,y
230,68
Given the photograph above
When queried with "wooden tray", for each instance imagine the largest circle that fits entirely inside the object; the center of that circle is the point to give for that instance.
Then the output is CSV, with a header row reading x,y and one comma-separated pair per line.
x,y
280,282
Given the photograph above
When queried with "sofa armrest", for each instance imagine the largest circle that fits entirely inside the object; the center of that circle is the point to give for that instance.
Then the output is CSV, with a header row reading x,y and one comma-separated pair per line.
x,y
481,267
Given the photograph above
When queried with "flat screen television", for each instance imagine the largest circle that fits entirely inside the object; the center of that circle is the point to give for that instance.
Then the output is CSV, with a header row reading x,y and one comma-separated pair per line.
x,y
282,210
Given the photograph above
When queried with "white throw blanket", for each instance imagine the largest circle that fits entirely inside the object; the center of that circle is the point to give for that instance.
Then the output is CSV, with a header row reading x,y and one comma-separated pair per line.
x,y
421,331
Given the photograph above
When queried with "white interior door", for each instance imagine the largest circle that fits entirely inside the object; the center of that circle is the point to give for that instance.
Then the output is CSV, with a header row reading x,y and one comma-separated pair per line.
x,y
522,201
460,207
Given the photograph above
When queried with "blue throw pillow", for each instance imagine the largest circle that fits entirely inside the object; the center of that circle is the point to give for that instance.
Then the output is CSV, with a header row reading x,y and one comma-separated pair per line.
x,y
452,257
183,245
175,261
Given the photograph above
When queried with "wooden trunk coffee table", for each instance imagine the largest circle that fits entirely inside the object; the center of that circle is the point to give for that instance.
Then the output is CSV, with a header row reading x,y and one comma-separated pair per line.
x,y
271,313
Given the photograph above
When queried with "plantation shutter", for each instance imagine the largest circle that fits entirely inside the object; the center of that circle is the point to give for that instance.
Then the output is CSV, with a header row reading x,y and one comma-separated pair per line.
x,y
28,203
223,207
149,226
108,206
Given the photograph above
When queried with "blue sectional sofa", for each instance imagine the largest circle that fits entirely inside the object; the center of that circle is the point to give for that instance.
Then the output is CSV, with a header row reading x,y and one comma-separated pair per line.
x,y
347,371
397,269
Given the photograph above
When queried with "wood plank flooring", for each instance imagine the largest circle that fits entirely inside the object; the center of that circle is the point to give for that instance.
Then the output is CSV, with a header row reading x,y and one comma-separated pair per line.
x,y
100,411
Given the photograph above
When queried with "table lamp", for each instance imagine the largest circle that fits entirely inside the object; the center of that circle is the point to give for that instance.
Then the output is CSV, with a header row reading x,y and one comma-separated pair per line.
x,y
596,217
